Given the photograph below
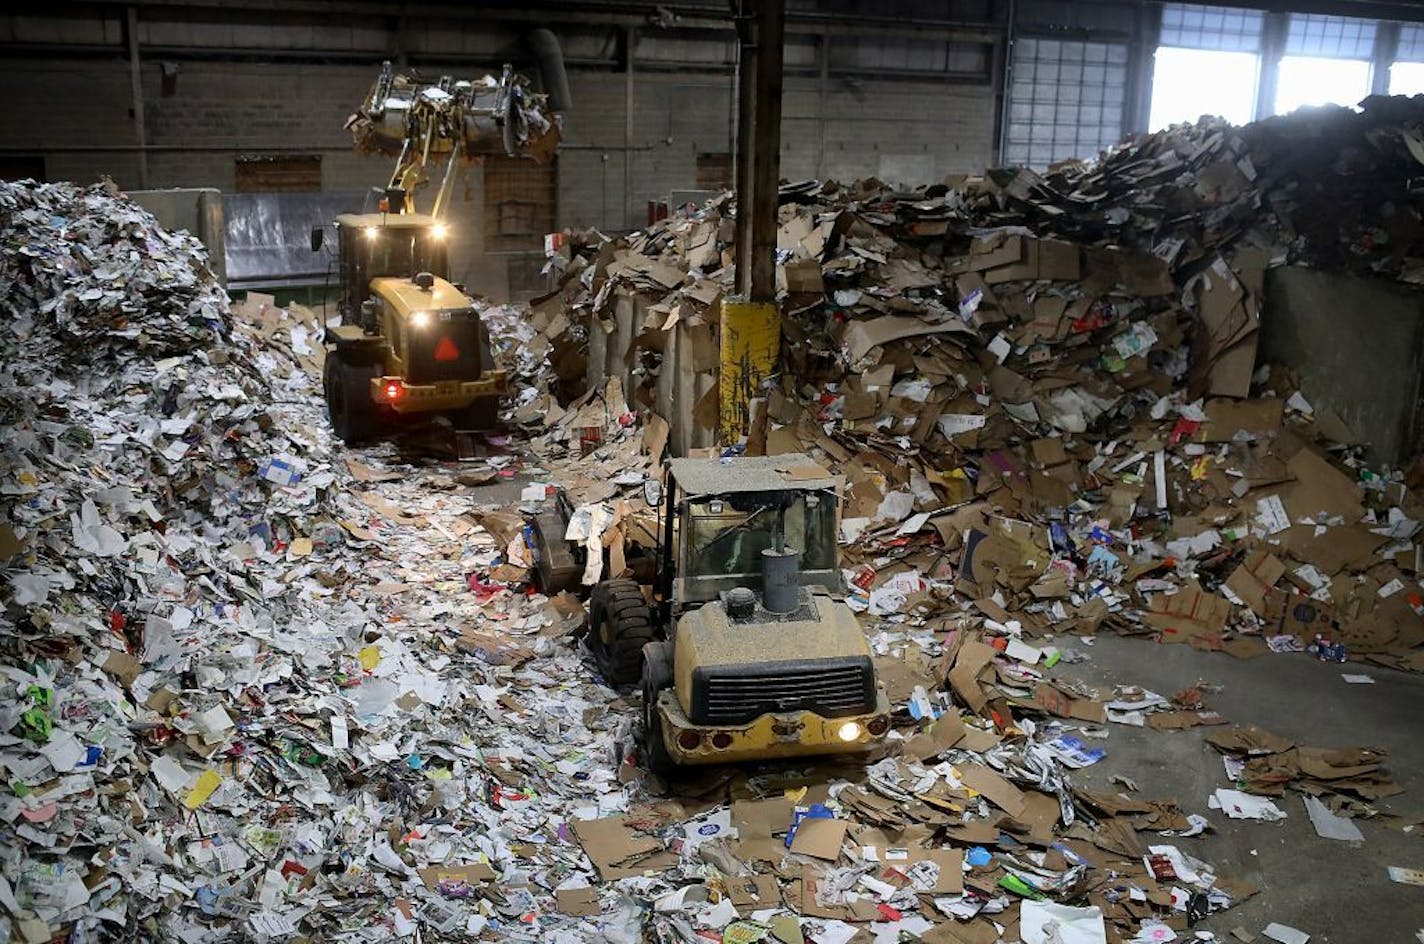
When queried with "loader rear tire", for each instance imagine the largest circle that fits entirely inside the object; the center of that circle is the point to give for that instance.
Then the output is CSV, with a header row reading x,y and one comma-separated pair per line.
x,y
657,676
347,384
620,624
482,415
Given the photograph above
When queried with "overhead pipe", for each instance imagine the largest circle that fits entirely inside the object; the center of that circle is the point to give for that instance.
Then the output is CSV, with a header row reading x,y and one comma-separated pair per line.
x,y
545,46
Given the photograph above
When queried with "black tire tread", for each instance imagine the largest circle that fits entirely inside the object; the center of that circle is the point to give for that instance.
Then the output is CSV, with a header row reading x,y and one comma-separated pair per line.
x,y
621,603
656,675
350,369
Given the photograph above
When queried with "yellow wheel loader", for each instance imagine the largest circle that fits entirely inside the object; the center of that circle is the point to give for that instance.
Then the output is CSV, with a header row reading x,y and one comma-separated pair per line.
x,y
746,651
410,342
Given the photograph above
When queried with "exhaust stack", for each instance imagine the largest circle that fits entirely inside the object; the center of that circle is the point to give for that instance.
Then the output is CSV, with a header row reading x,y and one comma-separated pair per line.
x,y
781,579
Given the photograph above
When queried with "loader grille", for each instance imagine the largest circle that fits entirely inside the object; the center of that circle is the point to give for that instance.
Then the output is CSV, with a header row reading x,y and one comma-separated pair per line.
x,y
832,688
448,349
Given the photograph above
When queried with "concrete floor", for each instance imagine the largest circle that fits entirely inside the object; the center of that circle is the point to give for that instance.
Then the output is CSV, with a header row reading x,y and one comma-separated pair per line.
x,y
1334,891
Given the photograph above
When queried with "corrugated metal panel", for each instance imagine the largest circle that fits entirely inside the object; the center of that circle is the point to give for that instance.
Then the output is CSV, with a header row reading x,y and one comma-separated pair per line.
x,y
890,54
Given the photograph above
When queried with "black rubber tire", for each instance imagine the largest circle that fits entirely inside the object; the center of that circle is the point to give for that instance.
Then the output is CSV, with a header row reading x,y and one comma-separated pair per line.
x,y
482,414
347,385
657,676
620,625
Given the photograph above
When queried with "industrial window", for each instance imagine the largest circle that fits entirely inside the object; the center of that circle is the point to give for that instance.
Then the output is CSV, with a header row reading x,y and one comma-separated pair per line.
x,y
1066,100
1208,64
1326,61
520,198
1194,26
1338,37
1411,43
1406,75
299,173
714,171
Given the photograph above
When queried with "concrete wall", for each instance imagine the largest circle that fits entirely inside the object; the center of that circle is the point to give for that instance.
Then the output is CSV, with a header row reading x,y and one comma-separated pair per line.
x,y
1358,347
197,210
905,131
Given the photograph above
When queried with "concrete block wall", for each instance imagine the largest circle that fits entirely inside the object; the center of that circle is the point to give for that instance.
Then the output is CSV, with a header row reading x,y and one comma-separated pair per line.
x,y
904,132
915,132
69,101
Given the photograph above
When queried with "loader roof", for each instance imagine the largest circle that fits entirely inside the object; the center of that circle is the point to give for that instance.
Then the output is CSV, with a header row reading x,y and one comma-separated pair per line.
x,y
751,474
387,220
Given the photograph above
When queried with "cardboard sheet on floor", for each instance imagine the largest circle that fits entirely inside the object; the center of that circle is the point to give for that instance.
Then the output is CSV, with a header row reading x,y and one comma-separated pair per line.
x,y
819,837
618,851
1225,418
1350,547
1248,739
1188,613
1253,579
1319,488
771,817
972,658
995,788
579,902
1060,704
947,731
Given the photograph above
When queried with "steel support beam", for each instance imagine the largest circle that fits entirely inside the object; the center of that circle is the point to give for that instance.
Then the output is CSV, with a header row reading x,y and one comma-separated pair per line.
x,y
750,330
136,90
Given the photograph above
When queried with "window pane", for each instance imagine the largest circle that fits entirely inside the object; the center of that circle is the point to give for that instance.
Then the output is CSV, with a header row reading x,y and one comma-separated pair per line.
x,y
1411,43
1075,100
1342,37
1406,78
1189,83
1194,26
1308,80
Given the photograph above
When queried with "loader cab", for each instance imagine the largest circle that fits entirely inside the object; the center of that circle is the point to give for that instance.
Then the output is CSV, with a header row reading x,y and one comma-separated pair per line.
x,y
372,245
718,519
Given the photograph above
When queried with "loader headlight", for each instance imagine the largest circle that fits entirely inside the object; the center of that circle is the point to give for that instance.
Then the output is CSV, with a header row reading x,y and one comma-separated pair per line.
x,y
371,232
849,731
439,230
420,319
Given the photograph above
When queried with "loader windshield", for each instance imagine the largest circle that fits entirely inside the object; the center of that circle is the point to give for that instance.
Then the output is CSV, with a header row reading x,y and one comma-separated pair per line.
x,y
728,536
402,253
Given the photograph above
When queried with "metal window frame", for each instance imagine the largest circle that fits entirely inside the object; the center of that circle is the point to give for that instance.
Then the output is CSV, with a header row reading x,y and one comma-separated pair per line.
x,y
1325,36
1191,26
1064,88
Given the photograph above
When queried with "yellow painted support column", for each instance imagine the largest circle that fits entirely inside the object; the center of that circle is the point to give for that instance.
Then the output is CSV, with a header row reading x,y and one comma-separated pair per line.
x,y
751,343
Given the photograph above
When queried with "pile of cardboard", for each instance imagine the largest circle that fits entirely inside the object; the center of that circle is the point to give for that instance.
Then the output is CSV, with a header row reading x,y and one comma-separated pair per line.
x,y
1043,390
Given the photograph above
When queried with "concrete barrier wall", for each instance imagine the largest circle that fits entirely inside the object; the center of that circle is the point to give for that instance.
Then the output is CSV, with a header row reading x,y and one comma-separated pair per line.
x,y
195,209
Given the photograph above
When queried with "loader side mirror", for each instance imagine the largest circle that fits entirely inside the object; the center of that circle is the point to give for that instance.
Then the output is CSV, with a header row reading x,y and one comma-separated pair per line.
x,y
653,492
318,236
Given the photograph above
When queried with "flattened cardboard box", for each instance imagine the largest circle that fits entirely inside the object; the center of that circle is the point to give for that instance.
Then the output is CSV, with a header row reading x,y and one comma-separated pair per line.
x,y
1253,579
1188,613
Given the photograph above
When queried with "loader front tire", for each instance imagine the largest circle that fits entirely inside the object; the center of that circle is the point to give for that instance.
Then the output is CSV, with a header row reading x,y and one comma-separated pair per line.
x,y
620,624
346,383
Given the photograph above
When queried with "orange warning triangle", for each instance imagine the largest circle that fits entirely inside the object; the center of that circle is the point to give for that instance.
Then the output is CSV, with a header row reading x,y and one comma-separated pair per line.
x,y
446,350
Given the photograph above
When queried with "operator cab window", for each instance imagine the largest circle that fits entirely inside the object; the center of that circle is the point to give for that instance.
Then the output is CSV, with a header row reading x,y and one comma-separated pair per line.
x,y
729,534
